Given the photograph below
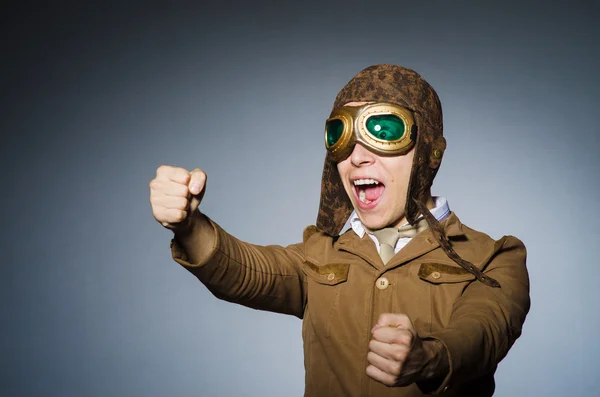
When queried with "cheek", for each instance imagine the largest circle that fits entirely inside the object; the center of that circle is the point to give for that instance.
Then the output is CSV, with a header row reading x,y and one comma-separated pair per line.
x,y
340,169
343,171
343,165
402,171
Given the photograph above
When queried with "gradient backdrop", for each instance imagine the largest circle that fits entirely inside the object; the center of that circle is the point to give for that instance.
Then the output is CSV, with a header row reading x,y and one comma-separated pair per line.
x,y
94,98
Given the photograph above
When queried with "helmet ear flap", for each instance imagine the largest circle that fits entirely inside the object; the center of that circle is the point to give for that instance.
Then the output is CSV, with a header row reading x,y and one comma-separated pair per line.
x,y
335,206
437,152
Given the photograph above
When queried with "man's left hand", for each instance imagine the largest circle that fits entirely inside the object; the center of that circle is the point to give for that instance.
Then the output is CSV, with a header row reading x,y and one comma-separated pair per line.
x,y
396,355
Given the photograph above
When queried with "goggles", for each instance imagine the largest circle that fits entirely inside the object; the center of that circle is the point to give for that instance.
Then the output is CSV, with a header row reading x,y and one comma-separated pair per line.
x,y
383,128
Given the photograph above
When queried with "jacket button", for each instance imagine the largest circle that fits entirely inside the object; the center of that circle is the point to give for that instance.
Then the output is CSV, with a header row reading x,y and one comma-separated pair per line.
x,y
382,283
436,275
330,276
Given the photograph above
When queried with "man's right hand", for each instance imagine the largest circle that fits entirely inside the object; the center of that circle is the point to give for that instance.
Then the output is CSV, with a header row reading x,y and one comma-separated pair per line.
x,y
175,194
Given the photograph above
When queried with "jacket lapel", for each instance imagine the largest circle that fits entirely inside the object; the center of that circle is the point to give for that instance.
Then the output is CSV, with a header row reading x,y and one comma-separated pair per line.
x,y
425,242
362,247
421,244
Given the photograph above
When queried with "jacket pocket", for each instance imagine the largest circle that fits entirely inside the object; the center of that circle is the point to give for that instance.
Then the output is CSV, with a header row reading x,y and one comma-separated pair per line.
x,y
324,285
446,283
330,274
439,273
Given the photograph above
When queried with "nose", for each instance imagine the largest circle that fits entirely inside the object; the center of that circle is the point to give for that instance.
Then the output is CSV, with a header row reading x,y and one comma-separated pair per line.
x,y
361,156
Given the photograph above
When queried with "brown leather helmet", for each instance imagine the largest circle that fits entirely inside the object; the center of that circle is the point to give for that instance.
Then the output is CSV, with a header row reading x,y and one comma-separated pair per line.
x,y
406,88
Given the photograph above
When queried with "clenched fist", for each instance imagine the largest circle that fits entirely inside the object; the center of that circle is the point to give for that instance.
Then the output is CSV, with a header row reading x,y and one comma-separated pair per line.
x,y
175,194
396,356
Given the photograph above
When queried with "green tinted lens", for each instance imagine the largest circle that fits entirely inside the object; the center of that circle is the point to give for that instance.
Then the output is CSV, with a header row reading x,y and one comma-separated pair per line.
x,y
386,127
334,129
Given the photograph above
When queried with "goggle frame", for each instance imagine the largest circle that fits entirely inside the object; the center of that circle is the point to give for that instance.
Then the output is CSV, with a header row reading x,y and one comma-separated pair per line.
x,y
354,120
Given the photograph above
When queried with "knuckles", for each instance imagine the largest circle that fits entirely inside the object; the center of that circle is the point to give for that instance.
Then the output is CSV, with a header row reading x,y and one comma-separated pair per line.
x,y
169,193
170,188
180,203
370,357
398,354
180,216
398,336
372,344
163,169
395,368
404,338
173,173
396,320
393,364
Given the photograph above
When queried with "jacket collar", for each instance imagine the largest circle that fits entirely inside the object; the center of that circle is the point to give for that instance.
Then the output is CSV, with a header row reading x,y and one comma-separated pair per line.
x,y
421,244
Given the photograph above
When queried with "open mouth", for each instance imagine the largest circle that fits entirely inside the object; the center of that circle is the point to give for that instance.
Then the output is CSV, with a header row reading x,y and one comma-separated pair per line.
x,y
368,190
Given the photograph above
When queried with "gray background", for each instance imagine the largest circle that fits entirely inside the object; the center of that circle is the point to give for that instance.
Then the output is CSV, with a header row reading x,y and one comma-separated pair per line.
x,y
95,98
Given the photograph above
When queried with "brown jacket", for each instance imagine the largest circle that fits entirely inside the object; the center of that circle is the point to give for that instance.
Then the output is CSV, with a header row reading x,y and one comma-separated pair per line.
x,y
339,287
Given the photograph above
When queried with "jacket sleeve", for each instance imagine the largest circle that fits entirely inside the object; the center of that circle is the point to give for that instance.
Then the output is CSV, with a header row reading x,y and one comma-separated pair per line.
x,y
261,277
486,321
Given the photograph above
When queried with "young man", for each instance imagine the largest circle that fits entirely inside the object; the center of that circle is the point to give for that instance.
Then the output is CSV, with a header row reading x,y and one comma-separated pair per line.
x,y
408,301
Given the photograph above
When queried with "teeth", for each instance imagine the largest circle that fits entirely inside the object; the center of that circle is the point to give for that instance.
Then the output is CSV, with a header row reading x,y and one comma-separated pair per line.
x,y
359,182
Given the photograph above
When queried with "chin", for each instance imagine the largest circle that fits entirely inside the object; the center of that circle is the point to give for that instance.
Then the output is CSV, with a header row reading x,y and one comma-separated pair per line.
x,y
375,221
373,224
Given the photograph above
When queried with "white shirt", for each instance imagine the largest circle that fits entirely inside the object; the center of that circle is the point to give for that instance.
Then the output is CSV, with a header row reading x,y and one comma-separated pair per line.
x,y
441,211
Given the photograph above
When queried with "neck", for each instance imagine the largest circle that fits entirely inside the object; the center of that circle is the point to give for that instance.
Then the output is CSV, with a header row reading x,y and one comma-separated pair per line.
x,y
402,221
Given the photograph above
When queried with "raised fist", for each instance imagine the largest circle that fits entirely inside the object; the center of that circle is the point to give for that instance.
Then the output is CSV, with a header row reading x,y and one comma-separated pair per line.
x,y
175,194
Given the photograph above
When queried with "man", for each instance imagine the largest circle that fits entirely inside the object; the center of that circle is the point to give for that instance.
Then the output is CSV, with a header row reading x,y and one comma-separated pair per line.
x,y
408,301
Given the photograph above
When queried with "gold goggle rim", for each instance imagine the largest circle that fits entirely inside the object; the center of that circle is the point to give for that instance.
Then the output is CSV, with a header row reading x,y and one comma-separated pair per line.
x,y
354,120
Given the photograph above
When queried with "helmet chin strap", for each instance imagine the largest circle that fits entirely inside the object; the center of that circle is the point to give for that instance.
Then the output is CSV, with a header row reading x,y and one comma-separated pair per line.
x,y
440,236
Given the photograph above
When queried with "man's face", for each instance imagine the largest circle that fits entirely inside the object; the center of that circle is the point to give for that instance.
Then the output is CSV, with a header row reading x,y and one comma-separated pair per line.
x,y
377,186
